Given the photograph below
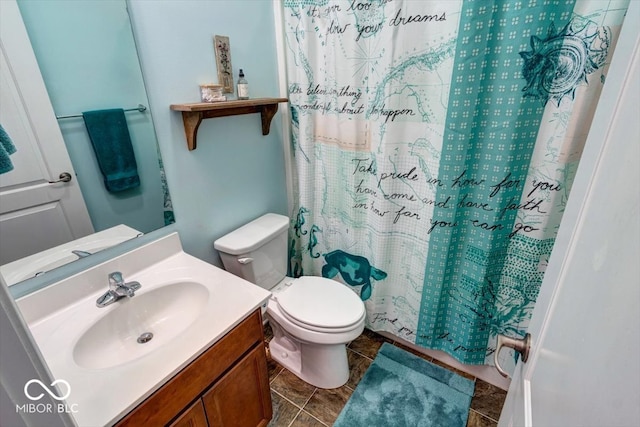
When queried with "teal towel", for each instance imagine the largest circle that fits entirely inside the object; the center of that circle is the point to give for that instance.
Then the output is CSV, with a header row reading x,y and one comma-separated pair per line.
x,y
6,149
111,142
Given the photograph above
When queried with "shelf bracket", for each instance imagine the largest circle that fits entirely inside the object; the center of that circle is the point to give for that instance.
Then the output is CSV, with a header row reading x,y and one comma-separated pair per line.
x,y
266,114
192,122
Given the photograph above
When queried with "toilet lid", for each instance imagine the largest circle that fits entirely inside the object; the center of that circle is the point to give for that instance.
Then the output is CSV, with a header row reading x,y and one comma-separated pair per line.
x,y
321,302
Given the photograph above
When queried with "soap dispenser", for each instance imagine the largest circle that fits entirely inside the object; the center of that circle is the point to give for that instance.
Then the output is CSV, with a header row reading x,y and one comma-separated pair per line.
x,y
243,86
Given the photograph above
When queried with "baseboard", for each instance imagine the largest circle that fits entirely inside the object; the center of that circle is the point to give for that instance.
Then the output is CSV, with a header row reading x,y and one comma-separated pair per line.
x,y
484,372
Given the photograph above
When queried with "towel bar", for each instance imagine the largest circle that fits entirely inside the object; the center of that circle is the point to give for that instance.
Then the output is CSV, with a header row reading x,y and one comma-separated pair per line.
x,y
141,108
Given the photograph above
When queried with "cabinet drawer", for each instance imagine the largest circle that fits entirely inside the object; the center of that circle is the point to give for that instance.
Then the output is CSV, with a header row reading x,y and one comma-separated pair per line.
x,y
174,396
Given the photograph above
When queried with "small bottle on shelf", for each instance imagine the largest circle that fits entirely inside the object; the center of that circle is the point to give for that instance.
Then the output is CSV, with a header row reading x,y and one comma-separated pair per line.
x,y
243,87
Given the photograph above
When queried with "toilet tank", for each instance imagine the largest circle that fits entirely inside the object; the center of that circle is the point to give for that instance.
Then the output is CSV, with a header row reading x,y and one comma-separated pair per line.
x,y
257,251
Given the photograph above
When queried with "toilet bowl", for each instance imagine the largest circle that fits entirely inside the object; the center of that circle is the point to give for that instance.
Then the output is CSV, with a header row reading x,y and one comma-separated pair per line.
x,y
308,339
313,318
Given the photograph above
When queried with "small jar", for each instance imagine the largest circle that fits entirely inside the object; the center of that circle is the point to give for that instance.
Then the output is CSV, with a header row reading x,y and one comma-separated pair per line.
x,y
211,93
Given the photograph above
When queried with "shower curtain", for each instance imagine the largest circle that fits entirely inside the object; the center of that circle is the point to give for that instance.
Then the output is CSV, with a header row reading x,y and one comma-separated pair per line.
x,y
434,147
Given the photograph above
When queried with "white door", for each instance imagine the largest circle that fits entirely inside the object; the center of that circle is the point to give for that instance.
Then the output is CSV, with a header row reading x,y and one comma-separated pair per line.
x,y
34,214
584,366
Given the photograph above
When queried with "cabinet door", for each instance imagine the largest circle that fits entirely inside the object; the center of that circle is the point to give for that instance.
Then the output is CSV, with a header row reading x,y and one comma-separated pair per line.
x,y
192,417
190,383
242,397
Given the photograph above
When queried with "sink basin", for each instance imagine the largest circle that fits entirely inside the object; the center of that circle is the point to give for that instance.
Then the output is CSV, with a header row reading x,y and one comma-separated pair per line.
x,y
122,334
186,303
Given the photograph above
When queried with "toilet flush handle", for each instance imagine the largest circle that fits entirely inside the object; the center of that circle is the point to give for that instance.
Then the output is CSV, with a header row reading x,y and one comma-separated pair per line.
x,y
245,260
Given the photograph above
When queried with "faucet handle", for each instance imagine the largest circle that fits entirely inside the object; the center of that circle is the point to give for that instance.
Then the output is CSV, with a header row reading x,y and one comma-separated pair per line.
x,y
115,279
117,289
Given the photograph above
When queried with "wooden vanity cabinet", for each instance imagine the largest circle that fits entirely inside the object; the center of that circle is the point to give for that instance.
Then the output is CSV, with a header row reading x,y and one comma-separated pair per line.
x,y
228,385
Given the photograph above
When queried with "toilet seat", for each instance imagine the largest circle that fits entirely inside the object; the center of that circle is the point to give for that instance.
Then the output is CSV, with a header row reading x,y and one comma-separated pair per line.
x,y
321,305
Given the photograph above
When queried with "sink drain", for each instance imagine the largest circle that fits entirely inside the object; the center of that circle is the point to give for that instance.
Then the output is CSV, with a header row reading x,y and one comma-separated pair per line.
x,y
146,337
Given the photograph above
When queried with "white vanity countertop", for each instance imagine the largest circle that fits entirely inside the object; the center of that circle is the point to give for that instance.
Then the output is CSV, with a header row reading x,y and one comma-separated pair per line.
x,y
28,267
59,315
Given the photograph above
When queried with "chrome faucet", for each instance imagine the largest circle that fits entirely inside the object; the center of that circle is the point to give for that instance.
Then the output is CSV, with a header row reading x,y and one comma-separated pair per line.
x,y
118,288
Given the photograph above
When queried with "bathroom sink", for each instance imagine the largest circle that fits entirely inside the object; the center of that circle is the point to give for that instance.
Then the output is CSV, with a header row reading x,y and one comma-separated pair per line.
x,y
138,325
187,304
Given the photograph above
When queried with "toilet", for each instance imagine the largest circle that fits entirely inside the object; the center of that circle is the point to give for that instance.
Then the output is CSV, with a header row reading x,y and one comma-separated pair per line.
x,y
313,318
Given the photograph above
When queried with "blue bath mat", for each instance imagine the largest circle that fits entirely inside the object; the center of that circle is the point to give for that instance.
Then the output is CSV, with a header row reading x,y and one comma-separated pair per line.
x,y
400,389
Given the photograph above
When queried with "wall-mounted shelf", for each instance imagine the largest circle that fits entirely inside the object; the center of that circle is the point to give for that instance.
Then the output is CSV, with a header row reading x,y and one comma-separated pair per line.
x,y
193,114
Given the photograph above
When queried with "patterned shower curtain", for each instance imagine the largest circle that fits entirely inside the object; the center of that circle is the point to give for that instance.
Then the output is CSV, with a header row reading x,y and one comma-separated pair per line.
x,y
434,147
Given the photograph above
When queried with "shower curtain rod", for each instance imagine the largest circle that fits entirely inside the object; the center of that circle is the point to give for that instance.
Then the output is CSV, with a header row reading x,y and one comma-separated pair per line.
x,y
141,108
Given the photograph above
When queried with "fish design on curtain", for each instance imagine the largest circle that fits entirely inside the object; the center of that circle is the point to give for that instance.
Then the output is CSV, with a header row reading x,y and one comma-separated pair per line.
x,y
435,144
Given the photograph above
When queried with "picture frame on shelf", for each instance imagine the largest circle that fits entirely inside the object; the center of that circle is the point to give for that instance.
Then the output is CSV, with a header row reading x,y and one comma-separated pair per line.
x,y
222,49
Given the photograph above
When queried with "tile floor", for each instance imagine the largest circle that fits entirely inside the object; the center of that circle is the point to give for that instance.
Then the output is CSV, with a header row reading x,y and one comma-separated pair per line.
x,y
298,404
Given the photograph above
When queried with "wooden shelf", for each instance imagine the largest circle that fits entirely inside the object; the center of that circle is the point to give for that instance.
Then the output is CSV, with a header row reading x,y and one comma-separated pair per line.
x,y
193,114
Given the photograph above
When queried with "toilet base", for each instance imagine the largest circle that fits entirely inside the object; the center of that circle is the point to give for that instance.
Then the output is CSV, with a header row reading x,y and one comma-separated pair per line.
x,y
321,365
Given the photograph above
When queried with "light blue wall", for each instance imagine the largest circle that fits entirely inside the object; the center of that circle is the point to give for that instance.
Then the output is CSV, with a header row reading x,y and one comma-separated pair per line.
x,y
235,174
88,60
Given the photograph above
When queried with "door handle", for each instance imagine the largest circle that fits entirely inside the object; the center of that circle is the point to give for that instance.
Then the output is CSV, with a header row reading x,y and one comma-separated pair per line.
x,y
64,177
522,346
